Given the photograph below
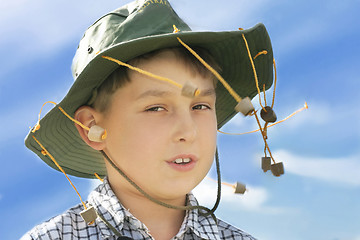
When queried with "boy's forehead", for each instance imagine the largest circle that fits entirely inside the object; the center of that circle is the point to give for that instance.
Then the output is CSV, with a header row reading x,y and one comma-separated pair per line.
x,y
168,65
163,93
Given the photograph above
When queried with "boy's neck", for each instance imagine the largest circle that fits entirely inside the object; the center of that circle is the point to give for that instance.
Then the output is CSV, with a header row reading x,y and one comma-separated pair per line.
x,y
163,223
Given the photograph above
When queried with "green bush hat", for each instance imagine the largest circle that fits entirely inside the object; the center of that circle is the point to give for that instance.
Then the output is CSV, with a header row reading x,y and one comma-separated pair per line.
x,y
135,29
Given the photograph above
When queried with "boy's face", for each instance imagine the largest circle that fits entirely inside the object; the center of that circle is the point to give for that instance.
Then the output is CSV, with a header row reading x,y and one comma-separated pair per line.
x,y
151,125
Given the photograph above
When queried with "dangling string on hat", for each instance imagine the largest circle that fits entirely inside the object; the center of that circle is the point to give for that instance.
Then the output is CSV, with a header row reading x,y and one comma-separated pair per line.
x,y
246,107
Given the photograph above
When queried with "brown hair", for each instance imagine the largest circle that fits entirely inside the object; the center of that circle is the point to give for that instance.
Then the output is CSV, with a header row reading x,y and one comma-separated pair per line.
x,y
120,76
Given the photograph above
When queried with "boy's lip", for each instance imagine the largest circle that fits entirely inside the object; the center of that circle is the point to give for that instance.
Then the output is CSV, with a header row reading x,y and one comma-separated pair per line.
x,y
188,162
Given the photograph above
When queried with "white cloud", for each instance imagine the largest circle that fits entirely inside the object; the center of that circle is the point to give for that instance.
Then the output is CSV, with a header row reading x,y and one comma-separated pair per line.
x,y
233,14
254,199
18,120
319,113
315,27
335,170
93,184
16,126
339,120
301,36
241,124
34,29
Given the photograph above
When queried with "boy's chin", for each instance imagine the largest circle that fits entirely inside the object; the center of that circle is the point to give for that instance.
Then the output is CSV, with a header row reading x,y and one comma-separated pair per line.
x,y
173,194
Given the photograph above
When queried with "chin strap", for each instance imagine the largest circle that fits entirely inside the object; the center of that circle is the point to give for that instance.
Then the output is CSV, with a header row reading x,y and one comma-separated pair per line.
x,y
204,211
218,196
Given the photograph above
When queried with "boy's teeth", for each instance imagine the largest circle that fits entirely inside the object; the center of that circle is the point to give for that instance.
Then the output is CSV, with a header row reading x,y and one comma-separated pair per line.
x,y
182,160
179,160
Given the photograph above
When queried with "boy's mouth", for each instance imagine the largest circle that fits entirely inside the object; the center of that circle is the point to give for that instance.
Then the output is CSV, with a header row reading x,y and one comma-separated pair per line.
x,y
184,162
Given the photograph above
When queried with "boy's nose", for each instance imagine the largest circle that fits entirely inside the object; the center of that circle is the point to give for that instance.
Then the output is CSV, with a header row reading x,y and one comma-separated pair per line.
x,y
185,128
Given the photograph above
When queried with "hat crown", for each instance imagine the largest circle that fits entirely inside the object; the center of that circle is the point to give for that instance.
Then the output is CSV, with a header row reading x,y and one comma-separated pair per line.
x,y
138,19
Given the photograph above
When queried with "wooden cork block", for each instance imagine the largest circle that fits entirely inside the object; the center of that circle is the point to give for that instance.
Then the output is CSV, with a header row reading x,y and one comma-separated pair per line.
x,y
266,163
277,169
240,188
245,106
268,115
89,215
188,90
95,133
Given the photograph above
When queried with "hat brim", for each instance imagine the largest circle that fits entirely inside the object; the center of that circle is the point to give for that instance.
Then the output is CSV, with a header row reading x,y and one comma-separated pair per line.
x,y
59,135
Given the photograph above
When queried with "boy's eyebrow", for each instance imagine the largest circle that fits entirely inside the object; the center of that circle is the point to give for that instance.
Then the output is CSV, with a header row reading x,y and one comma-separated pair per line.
x,y
160,93
154,93
207,92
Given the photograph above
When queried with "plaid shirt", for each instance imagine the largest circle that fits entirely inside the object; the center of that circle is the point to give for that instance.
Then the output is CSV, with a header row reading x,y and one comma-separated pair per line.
x,y
70,225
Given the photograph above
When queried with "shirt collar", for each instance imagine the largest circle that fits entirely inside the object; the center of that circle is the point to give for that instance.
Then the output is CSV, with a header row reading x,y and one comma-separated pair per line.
x,y
108,205
203,227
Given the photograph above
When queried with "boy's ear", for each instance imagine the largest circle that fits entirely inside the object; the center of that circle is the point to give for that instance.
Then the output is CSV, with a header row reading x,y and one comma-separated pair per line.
x,y
88,117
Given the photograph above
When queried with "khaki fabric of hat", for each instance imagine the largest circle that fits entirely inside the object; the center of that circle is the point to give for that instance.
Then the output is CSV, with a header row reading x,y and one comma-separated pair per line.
x,y
130,31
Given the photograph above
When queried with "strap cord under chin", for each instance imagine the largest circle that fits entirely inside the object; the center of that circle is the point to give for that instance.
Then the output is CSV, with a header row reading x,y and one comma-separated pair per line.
x,y
205,211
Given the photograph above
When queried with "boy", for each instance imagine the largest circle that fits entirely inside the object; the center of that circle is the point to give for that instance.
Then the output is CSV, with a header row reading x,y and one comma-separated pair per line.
x,y
151,140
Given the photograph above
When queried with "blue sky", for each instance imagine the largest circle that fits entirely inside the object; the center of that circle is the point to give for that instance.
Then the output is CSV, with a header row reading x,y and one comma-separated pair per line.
x,y
316,45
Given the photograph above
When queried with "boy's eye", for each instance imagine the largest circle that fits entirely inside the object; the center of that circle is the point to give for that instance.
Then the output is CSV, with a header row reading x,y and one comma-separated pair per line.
x,y
201,107
155,109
